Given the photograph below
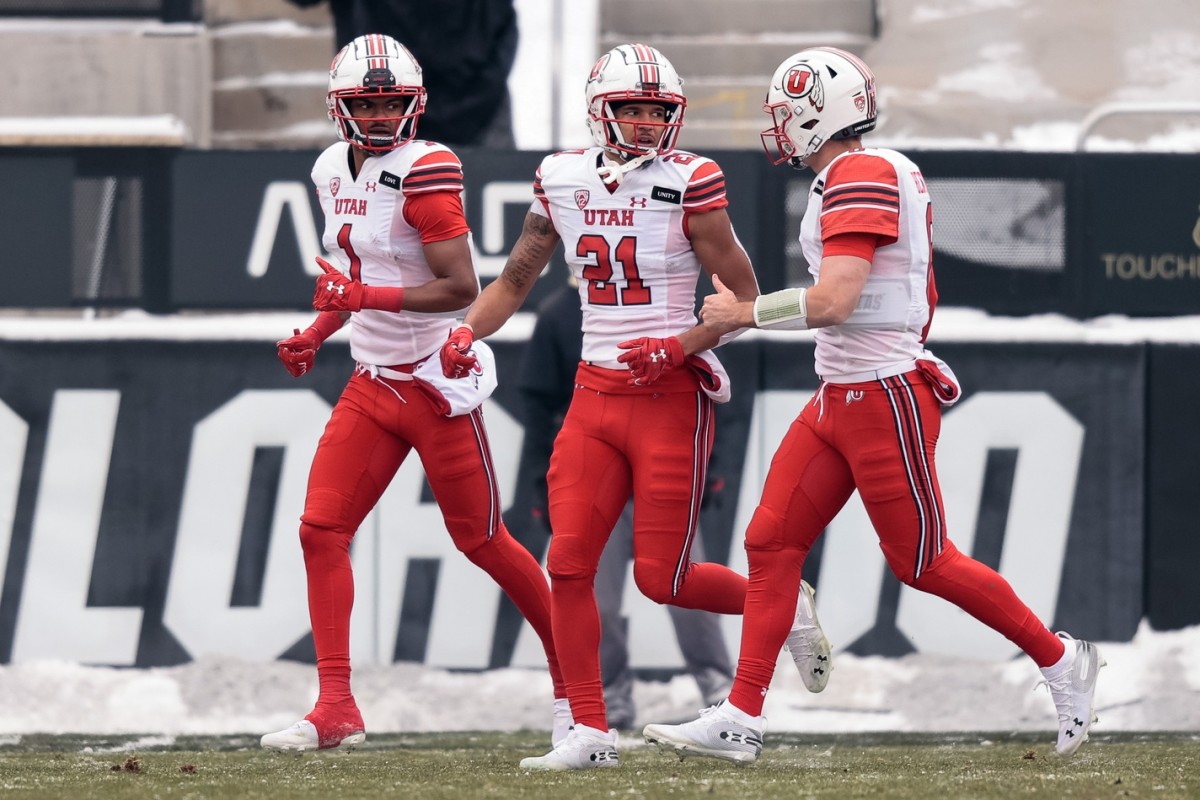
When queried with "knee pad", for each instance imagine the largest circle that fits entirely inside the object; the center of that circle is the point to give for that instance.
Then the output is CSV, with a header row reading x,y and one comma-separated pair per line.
x,y
324,508
765,531
469,535
316,541
945,565
570,557
655,579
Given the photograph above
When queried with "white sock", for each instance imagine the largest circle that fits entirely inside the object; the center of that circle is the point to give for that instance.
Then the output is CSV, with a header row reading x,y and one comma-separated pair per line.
x,y
592,731
741,716
1064,662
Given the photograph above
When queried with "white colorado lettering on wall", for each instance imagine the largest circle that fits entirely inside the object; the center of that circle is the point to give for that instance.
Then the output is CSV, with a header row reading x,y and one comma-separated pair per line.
x,y
53,619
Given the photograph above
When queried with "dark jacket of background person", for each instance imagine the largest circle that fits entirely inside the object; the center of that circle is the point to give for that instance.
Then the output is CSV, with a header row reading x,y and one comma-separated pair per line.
x,y
466,49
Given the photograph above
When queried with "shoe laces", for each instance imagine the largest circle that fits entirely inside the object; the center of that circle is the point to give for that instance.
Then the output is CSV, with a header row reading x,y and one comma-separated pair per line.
x,y
802,638
1060,691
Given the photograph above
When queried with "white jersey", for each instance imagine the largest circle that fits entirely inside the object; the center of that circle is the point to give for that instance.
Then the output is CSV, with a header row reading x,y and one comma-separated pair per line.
x,y
370,240
882,192
629,247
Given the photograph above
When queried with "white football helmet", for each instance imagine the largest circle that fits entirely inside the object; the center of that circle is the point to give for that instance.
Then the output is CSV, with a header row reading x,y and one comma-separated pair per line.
x,y
633,73
375,65
816,95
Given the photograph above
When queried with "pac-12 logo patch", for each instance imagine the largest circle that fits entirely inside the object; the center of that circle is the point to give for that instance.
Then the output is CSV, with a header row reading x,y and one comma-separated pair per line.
x,y
581,197
334,185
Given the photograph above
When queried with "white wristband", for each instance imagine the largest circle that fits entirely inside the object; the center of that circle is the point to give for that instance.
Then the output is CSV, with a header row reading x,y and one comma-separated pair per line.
x,y
786,309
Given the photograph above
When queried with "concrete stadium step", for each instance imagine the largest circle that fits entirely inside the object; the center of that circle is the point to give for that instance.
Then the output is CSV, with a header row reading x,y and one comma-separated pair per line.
x,y
225,12
270,65
312,135
701,17
736,53
730,97
702,136
107,69
248,106
256,50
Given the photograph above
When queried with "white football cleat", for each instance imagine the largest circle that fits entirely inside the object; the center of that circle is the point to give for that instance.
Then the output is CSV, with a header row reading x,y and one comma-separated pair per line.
x,y
1074,693
302,737
807,643
584,748
718,733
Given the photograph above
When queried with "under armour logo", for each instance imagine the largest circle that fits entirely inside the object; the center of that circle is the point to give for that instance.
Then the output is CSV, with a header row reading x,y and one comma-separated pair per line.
x,y
370,186
604,755
737,737
854,395
637,202
659,355
333,287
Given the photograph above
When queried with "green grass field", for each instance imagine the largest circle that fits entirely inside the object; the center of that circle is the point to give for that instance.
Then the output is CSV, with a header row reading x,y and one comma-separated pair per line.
x,y
484,765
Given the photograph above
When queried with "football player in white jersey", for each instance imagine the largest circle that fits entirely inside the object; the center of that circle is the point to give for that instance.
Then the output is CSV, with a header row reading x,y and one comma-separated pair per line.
x,y
638,220
873,423
395,228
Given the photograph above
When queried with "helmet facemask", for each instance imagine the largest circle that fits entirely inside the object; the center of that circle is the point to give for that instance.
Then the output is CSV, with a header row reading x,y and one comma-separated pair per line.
x,y
607,117
634,73
357,130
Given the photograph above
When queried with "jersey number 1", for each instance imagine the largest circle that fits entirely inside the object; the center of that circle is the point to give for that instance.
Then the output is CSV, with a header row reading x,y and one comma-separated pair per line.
x,y
602,291
343,240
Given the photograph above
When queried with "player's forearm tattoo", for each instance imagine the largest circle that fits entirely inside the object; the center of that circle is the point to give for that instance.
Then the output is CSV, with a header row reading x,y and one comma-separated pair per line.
x,y
531,252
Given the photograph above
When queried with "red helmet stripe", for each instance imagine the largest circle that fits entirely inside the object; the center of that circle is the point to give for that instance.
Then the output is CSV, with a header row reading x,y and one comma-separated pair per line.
x,y
647,63
376,47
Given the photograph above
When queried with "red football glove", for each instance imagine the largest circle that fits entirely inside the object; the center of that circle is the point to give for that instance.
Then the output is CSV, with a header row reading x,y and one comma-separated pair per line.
x,y
300,351
648,358
457,360
337,292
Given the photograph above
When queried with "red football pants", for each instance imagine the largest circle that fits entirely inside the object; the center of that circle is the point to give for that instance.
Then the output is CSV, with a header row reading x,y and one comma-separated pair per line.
x,y
374,425
878,437
653,442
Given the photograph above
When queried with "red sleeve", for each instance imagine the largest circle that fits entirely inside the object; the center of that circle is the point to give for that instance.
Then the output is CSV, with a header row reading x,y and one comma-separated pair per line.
x,y
437,216
705,190
862,195
851,244
439,171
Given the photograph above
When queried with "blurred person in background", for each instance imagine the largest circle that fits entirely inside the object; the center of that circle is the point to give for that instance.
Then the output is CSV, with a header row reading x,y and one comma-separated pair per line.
x,y
874,421
638,220
546,382
466,48
395,228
